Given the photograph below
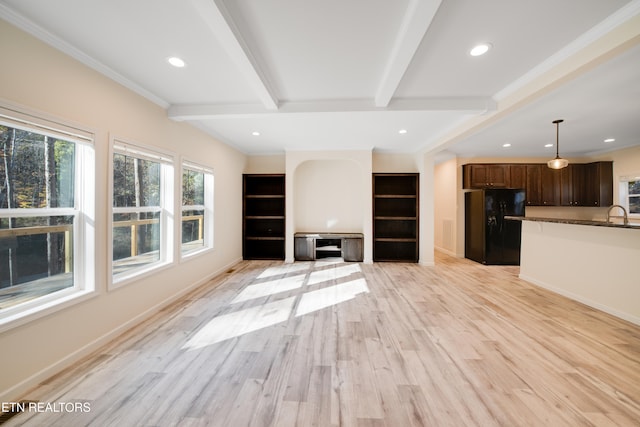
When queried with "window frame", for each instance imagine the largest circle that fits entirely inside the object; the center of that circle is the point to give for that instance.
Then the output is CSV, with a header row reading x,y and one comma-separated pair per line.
x,y
167,167
208,207
83,213
623,194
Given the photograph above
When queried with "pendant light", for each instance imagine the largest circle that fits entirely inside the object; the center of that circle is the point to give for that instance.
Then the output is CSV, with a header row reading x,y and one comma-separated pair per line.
x,y
558,162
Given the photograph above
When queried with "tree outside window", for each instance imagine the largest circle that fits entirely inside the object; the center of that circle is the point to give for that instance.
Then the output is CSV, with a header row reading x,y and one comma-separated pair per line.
x,y
140,210
39,214
197,207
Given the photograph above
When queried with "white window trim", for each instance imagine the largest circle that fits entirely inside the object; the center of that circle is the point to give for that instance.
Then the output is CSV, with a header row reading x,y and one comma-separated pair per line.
x,y
623,194
166,209
208,232
84,283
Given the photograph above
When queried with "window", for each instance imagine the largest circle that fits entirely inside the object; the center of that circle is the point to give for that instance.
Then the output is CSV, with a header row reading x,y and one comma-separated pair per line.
x,y
630,194
197,208
46,213
142,210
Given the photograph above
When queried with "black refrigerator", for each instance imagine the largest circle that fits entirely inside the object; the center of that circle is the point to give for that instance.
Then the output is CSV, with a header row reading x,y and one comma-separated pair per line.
x,y
489,237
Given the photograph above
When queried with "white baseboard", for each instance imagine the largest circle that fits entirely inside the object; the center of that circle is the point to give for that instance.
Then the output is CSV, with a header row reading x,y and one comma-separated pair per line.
x,y
617,313
29,383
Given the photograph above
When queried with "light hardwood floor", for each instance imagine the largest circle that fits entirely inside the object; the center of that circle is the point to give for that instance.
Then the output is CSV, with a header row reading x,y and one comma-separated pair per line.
x,y
348,344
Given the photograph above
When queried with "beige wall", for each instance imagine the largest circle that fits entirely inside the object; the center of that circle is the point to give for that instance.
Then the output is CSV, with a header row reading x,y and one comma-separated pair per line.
x,y
41,79
446,206
266,164
395,163
329,196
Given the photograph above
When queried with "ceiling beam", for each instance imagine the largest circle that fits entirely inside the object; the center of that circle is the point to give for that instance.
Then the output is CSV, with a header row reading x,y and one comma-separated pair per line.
x,y
414,26
221,24
474,105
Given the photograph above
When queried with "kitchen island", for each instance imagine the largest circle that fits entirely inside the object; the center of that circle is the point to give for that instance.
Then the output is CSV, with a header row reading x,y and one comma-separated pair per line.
x,y
594,262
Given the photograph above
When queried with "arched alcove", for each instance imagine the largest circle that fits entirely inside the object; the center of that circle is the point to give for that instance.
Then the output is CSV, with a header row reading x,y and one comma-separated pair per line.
x,y
329,196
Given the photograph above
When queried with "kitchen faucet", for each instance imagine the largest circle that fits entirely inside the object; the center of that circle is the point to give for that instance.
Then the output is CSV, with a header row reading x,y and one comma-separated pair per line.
x,y
626,219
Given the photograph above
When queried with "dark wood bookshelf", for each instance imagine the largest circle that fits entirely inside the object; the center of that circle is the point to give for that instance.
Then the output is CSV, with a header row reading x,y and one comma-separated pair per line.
x,y
395,217
263,216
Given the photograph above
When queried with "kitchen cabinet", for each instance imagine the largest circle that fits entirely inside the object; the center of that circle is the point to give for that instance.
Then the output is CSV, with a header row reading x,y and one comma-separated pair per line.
x,y
579,184
485,175
573,185
599,176
549,186
263,216
534,185
517,176
395,217
587,184
567,194
542,187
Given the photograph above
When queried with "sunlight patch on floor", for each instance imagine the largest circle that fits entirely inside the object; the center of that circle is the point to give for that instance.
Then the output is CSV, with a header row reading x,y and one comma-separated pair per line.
x,y
325,274
328,261
241,322
284,269
333,274
269,288
326,297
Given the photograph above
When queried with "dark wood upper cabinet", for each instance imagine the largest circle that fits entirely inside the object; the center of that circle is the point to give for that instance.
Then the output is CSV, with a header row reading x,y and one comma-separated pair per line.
x,y
533,185
486,175
550,186
599,176
517,176
567,194
579,184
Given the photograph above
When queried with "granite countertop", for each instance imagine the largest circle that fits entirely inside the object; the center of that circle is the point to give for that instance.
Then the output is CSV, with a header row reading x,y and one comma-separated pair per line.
x,y
575,221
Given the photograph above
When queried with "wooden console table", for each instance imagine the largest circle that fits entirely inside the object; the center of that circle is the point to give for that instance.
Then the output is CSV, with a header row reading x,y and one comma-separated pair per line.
x,y
312,246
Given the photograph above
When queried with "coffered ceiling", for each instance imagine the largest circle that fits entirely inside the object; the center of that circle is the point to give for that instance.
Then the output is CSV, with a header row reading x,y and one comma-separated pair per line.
x,y
350,74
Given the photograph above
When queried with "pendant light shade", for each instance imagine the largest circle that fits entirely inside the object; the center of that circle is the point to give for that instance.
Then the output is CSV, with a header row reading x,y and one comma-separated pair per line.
x,y
558,162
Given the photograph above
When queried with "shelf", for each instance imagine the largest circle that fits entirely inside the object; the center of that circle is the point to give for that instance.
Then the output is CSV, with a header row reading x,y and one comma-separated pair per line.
x,y
263,221
263,238
395,217
264,184
327,248
395,239
395,251
395,184
395,196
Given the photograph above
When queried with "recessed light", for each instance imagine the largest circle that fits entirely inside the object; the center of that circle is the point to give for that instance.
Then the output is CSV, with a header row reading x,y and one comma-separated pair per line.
x,y
480,49
609,140
548,145
507,145
255,133
402,131
176,62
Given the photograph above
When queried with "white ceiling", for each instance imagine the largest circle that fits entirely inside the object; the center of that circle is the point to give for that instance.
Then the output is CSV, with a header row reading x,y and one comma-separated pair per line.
x,y
349,74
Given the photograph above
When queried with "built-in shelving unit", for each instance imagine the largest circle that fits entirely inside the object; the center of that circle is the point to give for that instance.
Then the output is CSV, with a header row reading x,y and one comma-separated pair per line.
x,y
395,217
263,220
